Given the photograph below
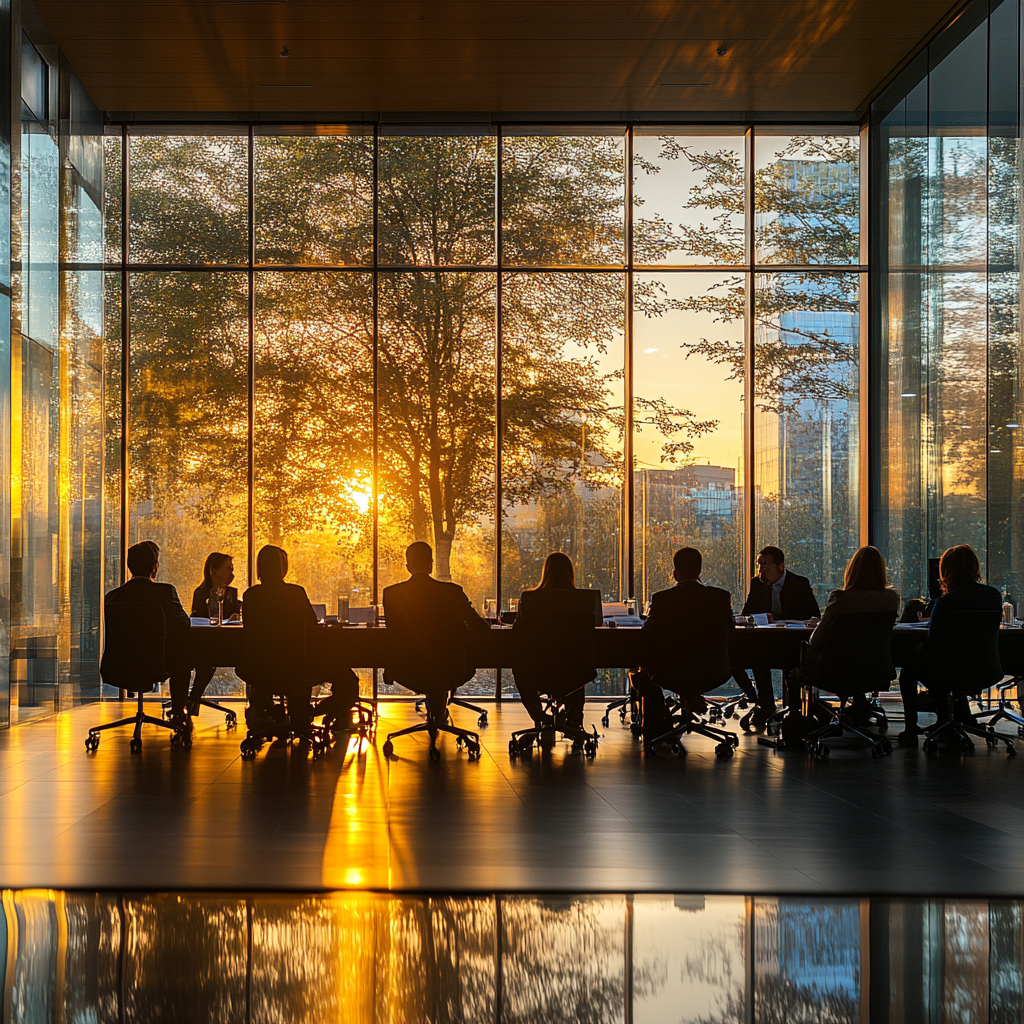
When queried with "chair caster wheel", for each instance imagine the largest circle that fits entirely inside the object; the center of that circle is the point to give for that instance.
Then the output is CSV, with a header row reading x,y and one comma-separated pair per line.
x,y
724,750
649,750
482,720
967,746
605,721
735,741
473,749
434,754
230,720
388,749
876,749
590,748
821,752
886,747
991,741
929,746
1011,750
135,746
513,749
92,743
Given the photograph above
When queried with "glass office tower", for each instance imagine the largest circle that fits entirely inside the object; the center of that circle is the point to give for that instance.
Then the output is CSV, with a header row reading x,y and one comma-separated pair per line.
x,y
947,443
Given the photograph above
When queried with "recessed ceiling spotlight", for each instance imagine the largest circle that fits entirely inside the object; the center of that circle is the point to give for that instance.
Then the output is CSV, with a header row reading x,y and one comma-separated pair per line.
x,y
284,51
722,51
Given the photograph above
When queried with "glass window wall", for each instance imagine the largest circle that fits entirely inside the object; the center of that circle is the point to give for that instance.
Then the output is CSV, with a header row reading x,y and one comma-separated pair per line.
x,y
502,341
948,464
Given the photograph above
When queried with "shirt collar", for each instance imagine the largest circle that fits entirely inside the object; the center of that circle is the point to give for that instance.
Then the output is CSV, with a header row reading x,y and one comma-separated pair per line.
x,y
777,585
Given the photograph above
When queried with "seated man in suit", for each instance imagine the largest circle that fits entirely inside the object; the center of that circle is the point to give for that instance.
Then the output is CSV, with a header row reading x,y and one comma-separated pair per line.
x,y
142,588
429,621
686,607
781,594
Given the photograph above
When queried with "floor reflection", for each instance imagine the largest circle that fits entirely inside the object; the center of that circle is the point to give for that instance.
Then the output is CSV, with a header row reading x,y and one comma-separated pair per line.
x,y
91,958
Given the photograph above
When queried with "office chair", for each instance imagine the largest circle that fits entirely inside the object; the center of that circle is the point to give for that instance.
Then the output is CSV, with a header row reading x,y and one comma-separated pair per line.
x,y
421,704
555,657
134,659
463,737
998,708
856,660
361,718
692,660
230,717
543,734
275,661
964,660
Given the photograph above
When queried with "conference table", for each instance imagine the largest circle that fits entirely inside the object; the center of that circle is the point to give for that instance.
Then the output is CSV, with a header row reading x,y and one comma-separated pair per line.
x,y
774,646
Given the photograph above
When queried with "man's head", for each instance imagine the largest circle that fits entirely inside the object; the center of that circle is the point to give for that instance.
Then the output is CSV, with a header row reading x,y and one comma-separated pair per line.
x,y
771,564
143,559
688,563
419,557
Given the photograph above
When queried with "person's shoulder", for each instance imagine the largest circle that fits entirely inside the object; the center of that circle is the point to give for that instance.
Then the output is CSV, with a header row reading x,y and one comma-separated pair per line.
x,y
719,593
795,577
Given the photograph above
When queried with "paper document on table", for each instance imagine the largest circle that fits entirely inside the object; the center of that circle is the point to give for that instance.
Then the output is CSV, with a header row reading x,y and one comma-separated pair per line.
x,y
760,618
625,620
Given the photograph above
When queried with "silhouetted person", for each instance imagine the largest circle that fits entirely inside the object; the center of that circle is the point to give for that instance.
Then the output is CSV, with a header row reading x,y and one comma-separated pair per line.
x,y
688,608
781,594
962,591
142,588
218,572
277,615
551,670
428,624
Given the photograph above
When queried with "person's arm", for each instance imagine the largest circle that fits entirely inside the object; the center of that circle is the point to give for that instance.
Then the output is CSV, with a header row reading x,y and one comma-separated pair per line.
x,y
306,606
828,617
652,624
176,617
199,608
470,615
750,605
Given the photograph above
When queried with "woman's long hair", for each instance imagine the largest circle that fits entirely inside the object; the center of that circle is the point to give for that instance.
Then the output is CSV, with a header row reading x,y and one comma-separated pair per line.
x,y
558,573
958,566
271,564
865,570
213,562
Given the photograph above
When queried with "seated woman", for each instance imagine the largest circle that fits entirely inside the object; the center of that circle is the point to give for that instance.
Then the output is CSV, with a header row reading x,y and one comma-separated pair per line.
x,y
962,591
218,572
865,589
284,649
546,663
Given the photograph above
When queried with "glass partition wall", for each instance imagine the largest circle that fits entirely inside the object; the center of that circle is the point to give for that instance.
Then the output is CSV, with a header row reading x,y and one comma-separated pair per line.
x,y
948,451
505,341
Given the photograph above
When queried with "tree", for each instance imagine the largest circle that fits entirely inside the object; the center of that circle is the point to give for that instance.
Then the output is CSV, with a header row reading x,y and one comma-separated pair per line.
x,y
562,410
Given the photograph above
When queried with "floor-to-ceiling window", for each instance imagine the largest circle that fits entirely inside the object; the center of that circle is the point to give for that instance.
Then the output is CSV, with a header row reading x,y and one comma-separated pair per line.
x,y
948,452
501,340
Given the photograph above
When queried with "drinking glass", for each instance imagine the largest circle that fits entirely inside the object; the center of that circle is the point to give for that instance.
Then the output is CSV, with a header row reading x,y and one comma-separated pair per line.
x,y
490,608
631,606
379,614
342,610
513,604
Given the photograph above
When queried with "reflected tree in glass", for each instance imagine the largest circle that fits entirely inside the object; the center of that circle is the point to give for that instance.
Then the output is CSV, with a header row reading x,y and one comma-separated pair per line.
x,y
314,428
313,199
563,200
188,419
188,199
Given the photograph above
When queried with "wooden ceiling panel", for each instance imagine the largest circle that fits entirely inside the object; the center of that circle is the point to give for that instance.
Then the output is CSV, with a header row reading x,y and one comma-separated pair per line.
x,y
782,55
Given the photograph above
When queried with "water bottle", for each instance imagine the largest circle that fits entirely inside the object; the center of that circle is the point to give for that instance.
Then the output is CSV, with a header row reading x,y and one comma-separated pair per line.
x,y
213,609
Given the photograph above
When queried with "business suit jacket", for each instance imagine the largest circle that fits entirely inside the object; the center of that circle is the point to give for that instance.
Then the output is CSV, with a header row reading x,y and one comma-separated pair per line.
x,y
230,605
278,637
141,590
849,602
686,637
797,598
428,623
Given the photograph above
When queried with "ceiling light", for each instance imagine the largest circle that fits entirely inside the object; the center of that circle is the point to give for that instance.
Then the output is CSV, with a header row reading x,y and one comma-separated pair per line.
x,y
722,51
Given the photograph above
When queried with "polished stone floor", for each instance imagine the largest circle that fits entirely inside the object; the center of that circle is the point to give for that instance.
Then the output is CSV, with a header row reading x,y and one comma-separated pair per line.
x,y
760,823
